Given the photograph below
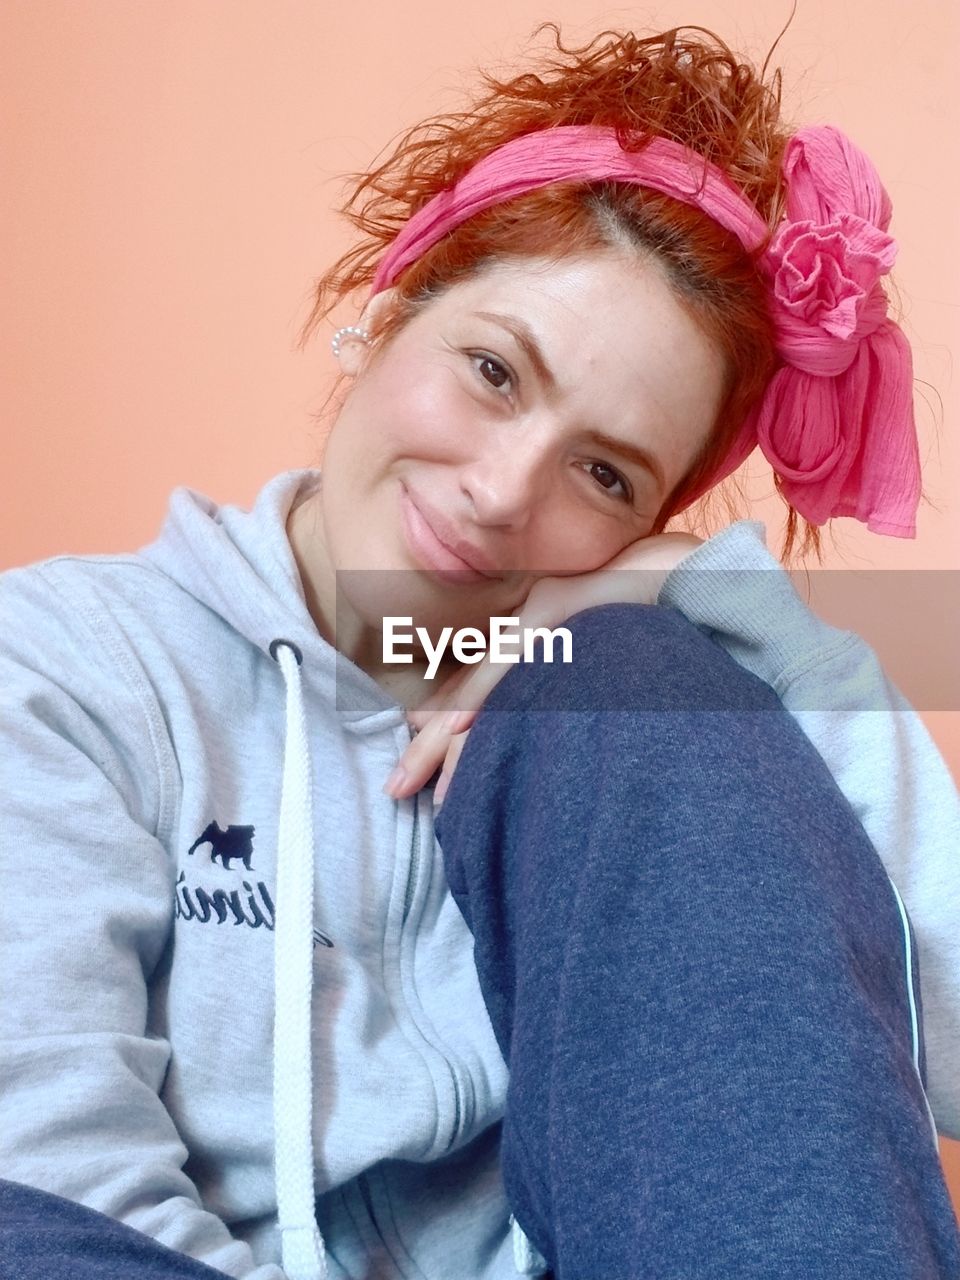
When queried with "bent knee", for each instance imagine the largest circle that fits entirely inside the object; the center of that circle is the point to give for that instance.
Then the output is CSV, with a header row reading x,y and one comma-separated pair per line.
x,y
631,657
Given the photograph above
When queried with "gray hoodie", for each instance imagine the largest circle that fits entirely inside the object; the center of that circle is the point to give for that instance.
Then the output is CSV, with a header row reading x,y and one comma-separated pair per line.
x,y
202,1035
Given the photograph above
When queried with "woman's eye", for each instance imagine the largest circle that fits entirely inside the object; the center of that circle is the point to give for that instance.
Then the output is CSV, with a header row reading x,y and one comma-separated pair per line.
x,y
608,479
494,373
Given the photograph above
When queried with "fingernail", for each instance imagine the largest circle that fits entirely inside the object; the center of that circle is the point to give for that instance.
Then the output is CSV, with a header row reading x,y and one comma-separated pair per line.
x,y
452,720
395,781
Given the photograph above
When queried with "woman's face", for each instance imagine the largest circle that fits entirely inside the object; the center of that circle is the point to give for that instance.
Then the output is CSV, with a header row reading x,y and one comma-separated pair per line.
x,y
534,417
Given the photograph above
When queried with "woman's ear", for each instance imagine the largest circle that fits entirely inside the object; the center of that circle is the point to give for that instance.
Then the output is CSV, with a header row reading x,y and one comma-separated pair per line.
x,y
354,350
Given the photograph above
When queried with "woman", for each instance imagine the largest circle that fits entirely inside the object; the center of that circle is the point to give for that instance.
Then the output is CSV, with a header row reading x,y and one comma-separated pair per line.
x,y
671,929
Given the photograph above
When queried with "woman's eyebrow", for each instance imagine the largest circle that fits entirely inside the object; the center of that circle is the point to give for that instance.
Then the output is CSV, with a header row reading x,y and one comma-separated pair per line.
x,y
525,339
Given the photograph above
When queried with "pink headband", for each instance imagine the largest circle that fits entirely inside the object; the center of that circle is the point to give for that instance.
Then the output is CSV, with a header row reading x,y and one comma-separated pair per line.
x,y
836,420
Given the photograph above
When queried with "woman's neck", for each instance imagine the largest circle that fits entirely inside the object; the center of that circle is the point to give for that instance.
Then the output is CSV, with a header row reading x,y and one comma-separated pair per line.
x,y
359,642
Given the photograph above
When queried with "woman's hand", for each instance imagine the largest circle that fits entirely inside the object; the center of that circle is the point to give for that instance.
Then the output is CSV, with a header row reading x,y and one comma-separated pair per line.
x,y
444,719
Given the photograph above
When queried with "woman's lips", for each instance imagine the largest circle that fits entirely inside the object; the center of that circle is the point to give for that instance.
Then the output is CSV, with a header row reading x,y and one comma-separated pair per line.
x,y
426,547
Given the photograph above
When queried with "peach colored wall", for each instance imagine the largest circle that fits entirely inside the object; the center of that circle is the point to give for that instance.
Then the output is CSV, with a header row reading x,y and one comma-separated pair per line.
x,y
169,174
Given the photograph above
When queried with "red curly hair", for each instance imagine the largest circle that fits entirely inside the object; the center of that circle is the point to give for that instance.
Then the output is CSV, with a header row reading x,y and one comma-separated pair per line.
x,y
685,84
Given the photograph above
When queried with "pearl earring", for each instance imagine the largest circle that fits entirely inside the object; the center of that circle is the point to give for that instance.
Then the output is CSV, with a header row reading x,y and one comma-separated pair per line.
x,y
348,331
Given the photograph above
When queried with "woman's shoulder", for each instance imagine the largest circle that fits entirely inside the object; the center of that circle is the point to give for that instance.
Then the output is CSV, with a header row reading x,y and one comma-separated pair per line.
x,y
79,603
74,685
70,575
99,631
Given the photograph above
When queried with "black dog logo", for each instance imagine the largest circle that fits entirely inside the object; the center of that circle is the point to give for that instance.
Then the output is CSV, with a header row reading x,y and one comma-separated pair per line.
x,y
235,842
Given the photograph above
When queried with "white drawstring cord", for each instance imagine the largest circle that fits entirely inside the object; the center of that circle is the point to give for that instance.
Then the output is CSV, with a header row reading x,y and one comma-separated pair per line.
x,y
302,1244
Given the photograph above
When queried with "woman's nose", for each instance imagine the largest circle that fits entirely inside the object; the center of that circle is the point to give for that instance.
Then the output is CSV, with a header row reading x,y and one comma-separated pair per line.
x,y
505,483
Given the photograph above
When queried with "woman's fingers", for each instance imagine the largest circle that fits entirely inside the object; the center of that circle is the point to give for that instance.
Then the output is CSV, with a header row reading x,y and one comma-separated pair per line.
x,y
428,750
441,699
449,764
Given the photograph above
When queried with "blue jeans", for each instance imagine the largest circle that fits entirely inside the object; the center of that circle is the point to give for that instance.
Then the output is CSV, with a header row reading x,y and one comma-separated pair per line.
x,y
695,967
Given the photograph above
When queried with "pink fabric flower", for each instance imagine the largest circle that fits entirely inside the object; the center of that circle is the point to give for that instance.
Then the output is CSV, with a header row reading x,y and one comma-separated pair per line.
x,y
825,274
824,288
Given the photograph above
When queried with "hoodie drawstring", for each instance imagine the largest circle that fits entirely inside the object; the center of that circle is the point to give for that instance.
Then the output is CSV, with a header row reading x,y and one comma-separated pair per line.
x,y
304,1256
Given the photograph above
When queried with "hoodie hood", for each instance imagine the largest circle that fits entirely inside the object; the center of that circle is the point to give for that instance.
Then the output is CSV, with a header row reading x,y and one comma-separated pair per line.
x,y
240,564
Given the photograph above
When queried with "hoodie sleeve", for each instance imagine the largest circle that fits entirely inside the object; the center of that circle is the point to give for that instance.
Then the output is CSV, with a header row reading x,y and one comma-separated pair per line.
x,y
875,745
86,788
